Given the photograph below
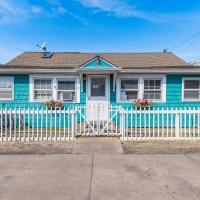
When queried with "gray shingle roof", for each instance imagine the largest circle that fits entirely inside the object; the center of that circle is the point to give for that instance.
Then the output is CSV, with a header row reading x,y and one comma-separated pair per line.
x,y
75,60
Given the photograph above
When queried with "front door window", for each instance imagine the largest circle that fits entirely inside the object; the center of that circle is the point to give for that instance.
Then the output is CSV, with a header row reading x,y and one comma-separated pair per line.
x,y
98,87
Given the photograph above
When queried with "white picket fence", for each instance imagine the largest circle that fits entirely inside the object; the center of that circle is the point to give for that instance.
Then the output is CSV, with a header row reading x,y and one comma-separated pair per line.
x,y
42,124
160,124
37,124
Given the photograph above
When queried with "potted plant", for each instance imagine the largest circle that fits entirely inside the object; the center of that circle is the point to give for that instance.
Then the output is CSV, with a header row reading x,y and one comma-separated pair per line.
x,y
143,103
54,104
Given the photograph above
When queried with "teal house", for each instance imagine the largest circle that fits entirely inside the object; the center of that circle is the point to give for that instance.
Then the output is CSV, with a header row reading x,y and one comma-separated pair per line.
x,y
33,78
95,91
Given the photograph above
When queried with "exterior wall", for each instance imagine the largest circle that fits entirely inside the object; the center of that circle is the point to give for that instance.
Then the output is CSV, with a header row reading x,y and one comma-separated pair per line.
x,y
173,96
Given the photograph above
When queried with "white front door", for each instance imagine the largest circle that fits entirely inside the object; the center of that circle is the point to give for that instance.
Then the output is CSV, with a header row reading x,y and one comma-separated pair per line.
x,y
97,97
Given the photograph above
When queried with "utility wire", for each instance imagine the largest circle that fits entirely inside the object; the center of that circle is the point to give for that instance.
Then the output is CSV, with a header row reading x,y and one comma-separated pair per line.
x,y
187,40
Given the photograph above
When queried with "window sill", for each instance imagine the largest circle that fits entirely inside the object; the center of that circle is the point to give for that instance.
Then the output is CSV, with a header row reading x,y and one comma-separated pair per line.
x,y
132,101
6,100
192,101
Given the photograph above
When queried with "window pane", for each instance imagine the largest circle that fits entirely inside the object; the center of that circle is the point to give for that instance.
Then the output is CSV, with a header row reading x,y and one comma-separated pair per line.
x,y
42,84
66,96
5,94
66,85
6,86
157,84
98,87
191,95
191,84
129,84
43,95
152,95
152,84
129,95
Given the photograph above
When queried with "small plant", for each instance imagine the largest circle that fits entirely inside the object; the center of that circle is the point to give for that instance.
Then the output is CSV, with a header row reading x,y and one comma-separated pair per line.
x,y
143,103
54,104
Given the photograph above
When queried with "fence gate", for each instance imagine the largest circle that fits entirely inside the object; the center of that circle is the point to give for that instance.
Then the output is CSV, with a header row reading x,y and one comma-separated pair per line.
x,y
93,124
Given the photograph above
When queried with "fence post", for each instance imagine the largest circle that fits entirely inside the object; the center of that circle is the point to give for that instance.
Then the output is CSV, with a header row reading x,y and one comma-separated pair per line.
x,y
73,123
177,124
122,131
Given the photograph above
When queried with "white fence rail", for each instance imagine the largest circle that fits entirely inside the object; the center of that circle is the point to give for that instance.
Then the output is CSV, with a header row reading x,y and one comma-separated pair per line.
x,y
38,124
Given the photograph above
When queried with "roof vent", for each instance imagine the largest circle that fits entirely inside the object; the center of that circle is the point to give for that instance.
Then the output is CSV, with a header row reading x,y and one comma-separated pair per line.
x,y
165,50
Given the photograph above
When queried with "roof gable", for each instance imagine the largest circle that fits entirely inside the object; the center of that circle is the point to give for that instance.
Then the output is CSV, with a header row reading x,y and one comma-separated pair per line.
x,y
97,63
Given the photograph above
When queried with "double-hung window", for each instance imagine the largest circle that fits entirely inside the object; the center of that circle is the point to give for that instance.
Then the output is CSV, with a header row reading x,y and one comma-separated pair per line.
x,y
66,90
6,88
153,89
53,88
129,89
141,87
191,89
43,89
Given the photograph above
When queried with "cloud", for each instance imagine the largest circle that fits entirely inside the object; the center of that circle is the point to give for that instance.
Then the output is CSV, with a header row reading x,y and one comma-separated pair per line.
x,y
123,9
63,10
15,12
60,9
37,9
116,7
12,11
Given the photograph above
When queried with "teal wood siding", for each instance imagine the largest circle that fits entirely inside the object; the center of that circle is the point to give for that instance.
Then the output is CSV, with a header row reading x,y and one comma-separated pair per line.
x,y
173,96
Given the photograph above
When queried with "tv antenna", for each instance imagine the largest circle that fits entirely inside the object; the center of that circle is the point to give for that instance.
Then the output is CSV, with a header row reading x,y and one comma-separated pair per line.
x,y
42,47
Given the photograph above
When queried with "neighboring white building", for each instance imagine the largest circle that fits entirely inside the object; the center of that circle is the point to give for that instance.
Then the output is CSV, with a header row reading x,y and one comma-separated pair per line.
x,y
196,63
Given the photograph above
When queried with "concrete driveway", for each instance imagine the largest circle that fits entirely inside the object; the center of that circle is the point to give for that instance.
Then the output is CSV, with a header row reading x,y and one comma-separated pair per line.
x,y
100,175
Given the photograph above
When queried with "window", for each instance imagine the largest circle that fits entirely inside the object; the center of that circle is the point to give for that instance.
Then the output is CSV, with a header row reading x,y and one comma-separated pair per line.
x,y
152,90
6,88
98,87
129,89
43,89
66,90
191,89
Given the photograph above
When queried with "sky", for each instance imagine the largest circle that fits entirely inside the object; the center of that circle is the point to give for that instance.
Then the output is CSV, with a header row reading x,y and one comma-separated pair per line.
x,y
100,26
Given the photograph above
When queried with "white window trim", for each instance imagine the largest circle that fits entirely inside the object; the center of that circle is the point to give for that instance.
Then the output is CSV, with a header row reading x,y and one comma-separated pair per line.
x,y
55,79
12,79
141,86
183,83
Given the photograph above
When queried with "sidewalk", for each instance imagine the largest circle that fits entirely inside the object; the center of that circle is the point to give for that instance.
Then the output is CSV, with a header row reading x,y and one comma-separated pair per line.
x,y
98,170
